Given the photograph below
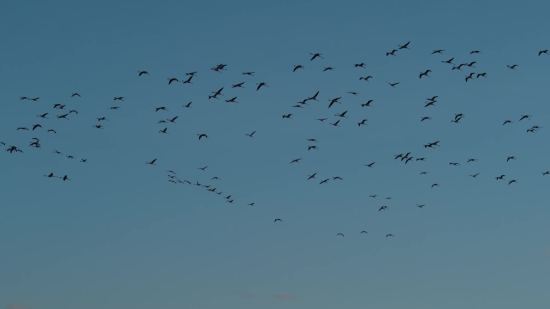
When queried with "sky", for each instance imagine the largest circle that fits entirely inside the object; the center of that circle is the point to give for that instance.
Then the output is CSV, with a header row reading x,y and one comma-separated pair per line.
x,y
118,234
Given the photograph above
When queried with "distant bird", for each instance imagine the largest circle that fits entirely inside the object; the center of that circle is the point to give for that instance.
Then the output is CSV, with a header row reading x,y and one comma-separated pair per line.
x,y
383,208
405,46
370,164
202,135
474,52
278,220
525,117
188,105
188,80
151,162
425,73
251,134
142,73
545,51
390,235
513,67
316,55
393,84
296,67
438,51
450,61
260,85
340,234
75,95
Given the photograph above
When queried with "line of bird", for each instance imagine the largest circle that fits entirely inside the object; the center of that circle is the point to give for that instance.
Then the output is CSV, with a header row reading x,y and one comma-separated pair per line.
x,y
405,157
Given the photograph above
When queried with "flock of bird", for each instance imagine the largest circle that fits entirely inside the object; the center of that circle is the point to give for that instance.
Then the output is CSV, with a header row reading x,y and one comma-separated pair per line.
x,y
64,113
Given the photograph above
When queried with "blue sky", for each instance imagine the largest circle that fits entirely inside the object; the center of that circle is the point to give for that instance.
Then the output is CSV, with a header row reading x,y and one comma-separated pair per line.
x,y
119,235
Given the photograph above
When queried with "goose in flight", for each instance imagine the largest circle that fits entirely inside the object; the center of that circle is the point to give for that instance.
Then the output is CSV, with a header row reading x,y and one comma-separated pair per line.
x,y
260,85
142,73
202,135
513,66
364,232
405,46
340,234
316,55
311,176
296,67
425,73
512,181
75,95
370,164
251,134
383,208
390,235
545,51
173,79
151,162
277,220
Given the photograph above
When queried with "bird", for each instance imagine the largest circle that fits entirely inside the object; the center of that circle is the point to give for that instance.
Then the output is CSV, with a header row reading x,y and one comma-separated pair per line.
x,y
278,220
405,46
201,135
316,55
340,234
425,73
143,73
152,162
251,134
544,51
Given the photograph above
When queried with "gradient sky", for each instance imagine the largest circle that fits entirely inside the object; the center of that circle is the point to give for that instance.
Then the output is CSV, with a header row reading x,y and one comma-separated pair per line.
x,y
119,235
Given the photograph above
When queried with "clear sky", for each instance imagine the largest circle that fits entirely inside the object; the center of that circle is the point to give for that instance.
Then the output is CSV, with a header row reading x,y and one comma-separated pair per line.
x,y
120,235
